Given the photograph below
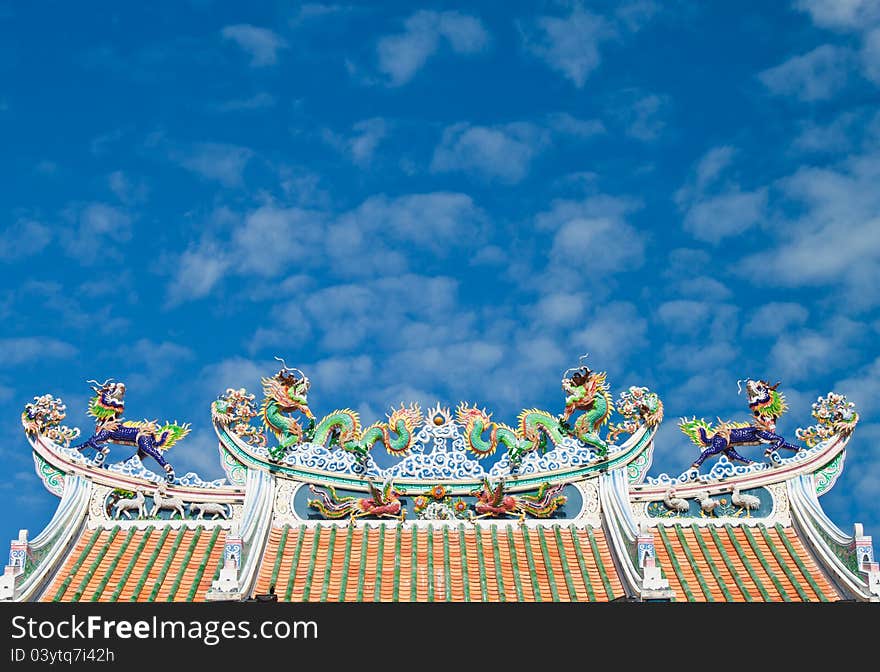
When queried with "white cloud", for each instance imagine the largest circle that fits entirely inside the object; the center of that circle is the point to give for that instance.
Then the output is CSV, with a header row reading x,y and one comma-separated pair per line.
x,y
705,332
570,45
561,308
26,350
271,238
834,136
694,358
153,362
437,221
582,238
234,372
215,161
128,191
834,240
402,55
702,287
715,209
713,218
711,165
95,227
613,333
566,124
362,143
635,14
800,354
25,238
411,299
642,114
684,315
828,254
335,372
463,368
196,272
863,388
816,75
504,152
366,241
260,43
466,34
593,229
775,317
841,14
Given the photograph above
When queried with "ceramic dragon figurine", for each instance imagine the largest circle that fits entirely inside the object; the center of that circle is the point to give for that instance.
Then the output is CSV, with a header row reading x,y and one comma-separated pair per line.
x,y
766,404
639,407
107,406
587,392
44,416
834,415
286,393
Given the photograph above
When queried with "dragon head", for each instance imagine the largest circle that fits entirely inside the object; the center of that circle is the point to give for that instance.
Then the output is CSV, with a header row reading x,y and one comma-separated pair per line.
x,y
765,402
834,415
410,415
650,408
289,388
838,413
466,413
584,377
109,388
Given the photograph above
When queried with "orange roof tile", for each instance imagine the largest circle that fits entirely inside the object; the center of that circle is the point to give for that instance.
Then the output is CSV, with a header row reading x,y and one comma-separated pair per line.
x,y
149,564
439,563
740,564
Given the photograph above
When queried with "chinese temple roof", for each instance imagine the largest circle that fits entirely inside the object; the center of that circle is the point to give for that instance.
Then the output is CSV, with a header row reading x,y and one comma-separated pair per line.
x,y
564,511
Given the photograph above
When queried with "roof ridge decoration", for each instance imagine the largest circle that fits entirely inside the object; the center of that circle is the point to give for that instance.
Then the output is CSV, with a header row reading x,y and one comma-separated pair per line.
x,y
42,421
444,446
836,420
437,445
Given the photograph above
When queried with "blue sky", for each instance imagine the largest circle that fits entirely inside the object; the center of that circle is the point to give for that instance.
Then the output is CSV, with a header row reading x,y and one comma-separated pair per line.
x,y
446,202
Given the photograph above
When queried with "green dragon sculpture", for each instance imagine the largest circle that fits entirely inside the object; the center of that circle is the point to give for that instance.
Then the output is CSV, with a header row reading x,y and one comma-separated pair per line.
x,y
586,391
286,393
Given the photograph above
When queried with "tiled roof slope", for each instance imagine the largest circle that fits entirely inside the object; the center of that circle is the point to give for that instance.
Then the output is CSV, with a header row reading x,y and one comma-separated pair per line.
x,y
139,565
737,563
414,563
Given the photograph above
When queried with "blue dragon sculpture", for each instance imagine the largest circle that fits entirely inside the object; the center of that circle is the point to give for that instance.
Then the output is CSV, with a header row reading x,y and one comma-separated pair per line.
x,y
766,405
108,407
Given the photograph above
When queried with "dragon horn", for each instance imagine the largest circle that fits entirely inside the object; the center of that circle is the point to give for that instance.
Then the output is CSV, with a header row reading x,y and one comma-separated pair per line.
x,y
773,387
580,363
290,368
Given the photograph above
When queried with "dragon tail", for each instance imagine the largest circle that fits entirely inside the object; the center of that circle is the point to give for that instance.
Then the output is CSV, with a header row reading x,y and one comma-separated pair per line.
x,y
697,430
171,433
